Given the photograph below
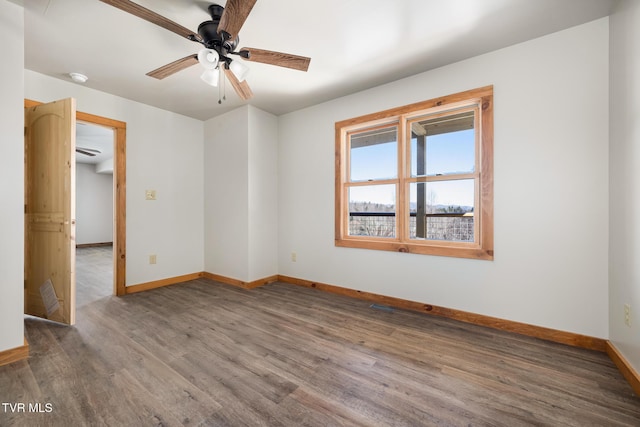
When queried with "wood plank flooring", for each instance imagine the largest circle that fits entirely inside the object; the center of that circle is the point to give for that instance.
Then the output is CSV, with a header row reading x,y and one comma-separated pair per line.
x,y
206,354
94,274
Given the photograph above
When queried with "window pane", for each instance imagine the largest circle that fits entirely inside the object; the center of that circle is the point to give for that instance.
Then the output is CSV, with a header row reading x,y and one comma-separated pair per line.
x,y
443,145
442,210
372,211
374,154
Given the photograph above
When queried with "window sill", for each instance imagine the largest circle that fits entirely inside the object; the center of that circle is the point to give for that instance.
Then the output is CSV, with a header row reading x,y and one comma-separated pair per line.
x,y
444,249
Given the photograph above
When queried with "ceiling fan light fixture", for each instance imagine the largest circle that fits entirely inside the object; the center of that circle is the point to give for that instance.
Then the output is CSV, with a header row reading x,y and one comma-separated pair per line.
x,y
219,36
208,58
78,78
239,70
211,76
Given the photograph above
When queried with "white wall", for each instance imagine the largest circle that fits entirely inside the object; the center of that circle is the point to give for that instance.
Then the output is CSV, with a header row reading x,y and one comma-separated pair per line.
x,y
164,153
624,256
263,194
241,212
94,205
11,176
225,199
551,189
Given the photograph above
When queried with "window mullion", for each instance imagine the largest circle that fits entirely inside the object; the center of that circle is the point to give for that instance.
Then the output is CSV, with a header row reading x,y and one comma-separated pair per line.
x,y
371,182
402,208
477,230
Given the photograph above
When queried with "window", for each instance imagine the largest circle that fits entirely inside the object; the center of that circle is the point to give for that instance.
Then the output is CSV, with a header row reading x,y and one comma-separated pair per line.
x,y
419,178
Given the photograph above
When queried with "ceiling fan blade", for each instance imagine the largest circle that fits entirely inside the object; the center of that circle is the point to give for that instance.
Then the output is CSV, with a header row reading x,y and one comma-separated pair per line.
x,y
174,67
151,16
91,150
86,153
278,58
234,15
241,87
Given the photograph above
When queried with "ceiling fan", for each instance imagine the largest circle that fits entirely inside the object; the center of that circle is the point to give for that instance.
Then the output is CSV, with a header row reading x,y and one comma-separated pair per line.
x,y
88,151
219,36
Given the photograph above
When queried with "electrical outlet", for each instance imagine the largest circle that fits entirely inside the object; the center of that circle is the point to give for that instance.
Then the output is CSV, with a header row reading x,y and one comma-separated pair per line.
x,y
150,194
294,257
152,259
627,315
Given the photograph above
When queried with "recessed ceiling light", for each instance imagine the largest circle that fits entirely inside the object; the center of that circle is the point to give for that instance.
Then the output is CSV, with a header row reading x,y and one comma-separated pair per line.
x,y
78,78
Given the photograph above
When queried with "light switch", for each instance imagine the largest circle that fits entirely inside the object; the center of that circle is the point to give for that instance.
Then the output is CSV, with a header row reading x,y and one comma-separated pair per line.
x,y
150,194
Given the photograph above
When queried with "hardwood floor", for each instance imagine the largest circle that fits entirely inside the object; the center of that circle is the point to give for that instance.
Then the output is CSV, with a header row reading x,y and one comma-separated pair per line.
x,y
94,274
206,354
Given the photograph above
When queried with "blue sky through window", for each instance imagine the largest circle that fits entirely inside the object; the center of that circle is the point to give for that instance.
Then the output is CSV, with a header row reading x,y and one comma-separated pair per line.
x,y
447,153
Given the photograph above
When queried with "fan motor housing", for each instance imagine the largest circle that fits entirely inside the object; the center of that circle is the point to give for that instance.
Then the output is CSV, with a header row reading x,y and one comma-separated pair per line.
x,y
208,30
215,10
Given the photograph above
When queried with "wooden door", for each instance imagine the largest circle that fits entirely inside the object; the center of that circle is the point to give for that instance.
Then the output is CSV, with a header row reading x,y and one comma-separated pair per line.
x,y
50,171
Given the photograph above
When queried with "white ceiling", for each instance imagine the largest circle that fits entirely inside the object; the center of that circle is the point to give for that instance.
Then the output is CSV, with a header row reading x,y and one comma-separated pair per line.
x,y
354,44
96,138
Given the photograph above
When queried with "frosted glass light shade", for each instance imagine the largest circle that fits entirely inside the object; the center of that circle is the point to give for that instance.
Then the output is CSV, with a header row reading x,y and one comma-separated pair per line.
x,y
208,58
211,77
239,70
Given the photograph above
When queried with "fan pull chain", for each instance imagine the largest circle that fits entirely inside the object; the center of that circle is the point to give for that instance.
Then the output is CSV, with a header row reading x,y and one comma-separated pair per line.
x,y
224,88
221,78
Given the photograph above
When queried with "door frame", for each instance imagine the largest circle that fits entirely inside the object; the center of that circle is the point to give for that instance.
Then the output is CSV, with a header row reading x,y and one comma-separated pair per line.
x,y
119,188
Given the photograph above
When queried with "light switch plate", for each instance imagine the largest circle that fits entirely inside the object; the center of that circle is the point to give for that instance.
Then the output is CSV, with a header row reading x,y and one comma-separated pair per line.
x,y
150,194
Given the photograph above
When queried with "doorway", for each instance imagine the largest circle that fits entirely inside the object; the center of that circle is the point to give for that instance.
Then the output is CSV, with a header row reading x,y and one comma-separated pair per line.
x,y
118,130
94,212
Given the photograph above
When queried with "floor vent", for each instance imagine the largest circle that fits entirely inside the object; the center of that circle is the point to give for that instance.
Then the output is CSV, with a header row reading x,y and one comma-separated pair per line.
x,y
383,307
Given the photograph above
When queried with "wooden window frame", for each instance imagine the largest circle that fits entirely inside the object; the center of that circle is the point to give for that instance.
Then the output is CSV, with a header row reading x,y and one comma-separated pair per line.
x,y
480,99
